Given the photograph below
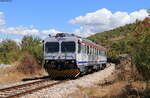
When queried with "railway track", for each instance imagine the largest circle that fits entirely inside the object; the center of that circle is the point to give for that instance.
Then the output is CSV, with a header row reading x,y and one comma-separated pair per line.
x,y
19,90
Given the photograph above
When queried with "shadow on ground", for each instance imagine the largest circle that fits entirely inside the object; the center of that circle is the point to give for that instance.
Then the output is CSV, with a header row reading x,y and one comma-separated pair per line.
x,y
45,77
35,78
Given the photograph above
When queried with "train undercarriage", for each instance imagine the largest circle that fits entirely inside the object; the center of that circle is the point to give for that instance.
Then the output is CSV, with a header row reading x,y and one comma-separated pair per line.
x,y
68,68
62,68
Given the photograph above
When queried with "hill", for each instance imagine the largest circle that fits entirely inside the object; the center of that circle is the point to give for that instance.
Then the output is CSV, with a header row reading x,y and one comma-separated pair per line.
x,y
132,39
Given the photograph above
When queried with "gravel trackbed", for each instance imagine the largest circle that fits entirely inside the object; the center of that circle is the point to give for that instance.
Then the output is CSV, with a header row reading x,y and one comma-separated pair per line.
x,y
64,89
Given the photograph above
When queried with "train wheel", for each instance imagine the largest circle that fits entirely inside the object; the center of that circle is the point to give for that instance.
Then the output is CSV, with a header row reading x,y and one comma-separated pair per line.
x,y
103,66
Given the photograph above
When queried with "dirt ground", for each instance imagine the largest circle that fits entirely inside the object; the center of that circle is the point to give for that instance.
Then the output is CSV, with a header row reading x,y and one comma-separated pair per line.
x,y
125,82
27,68
120,89
11,75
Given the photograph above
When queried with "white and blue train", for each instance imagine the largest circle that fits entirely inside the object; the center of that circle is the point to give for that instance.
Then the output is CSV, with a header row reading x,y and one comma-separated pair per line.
x,y
68,55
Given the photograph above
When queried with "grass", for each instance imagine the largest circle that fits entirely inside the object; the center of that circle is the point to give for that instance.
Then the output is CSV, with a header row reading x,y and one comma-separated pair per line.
x,y
27,67
123,83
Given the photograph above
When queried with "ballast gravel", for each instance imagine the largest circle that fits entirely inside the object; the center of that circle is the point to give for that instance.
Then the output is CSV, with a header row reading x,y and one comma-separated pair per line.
x,y
66,88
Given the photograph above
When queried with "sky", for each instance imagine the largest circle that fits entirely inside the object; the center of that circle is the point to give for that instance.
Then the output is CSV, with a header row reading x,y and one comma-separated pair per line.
x,y
81,17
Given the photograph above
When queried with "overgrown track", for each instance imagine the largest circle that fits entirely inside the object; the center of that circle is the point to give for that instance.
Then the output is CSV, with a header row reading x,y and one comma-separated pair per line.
x,y
27,88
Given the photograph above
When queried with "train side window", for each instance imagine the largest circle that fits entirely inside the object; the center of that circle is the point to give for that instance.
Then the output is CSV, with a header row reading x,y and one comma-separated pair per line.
x,y
79,47
96,51
83,47
93,50
99,52
102,53
90,50
87,49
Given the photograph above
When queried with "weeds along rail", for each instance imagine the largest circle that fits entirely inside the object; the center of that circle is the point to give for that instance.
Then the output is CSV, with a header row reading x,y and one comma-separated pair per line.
x,y
27,88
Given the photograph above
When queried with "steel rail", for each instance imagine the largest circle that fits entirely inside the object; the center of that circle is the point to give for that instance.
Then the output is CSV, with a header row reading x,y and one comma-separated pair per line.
x,y
10,92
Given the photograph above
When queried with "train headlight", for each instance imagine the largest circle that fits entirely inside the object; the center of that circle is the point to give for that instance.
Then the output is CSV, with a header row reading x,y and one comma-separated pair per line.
x,y
73,61
67,62
52,62
46,61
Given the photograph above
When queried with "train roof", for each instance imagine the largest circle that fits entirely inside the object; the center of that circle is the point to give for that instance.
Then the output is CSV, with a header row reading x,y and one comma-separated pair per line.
x,y
82,40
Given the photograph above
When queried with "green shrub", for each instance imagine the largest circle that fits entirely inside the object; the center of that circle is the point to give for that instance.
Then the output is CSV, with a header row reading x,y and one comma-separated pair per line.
x,y
33,46
9,51
132,39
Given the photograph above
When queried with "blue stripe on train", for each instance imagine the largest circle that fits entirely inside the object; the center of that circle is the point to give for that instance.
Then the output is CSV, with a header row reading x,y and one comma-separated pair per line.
x,y
81,62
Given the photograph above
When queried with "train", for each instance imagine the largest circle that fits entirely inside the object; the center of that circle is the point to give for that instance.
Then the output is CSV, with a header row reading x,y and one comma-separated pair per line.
x,y
68,55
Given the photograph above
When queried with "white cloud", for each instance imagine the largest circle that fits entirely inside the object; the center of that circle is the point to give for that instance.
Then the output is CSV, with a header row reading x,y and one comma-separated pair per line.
x,y
1,39
103,20
19,31
50,31
2,20
140,15
26,31
91,23
17,40
99,17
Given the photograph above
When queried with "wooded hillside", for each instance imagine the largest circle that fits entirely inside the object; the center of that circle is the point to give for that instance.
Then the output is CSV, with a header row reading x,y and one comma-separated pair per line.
x,y
132,39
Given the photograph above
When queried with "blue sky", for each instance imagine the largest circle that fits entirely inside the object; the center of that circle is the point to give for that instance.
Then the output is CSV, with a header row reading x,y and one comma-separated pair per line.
x,y
56,14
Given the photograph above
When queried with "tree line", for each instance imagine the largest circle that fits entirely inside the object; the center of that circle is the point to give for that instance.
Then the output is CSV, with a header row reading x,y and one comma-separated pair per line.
x,y
10,51
132,39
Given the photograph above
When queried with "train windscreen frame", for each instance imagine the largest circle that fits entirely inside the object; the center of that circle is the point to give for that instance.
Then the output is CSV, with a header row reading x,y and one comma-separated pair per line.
x,y
52,47
68,47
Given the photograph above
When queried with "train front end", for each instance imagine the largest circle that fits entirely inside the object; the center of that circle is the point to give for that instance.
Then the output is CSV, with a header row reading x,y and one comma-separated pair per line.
x,y
60,56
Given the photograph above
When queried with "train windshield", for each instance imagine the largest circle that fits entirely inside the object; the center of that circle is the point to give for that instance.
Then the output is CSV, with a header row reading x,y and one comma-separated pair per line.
x,y
68,46
51,47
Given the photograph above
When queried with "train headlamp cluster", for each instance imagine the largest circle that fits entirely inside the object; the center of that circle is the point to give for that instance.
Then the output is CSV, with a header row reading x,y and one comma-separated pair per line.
x,y
46,61
52,62
70,62
65,62
73,61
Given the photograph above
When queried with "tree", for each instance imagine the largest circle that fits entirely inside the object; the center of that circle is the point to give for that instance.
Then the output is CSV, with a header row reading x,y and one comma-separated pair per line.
x,y
8,46
141,56
9,51
148,10
33,46
29,41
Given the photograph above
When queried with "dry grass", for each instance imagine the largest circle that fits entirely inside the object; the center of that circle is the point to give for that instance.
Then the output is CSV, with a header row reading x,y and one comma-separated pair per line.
x,y
26,68
28,65
104,91
118,89
123,83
